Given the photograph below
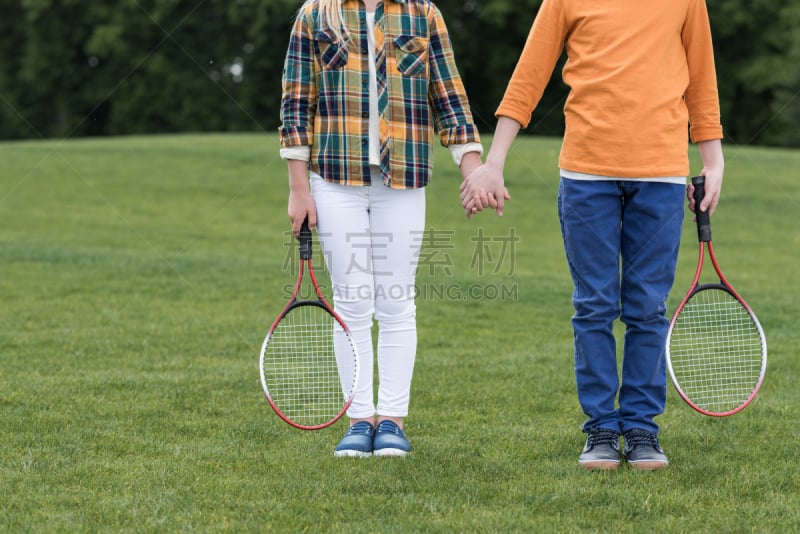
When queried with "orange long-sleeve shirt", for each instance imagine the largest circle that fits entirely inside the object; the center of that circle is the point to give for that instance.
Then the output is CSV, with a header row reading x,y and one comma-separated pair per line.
x,y
639,74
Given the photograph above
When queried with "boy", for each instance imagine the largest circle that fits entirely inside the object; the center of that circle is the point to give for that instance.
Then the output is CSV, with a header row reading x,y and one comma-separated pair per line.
x,y
639,73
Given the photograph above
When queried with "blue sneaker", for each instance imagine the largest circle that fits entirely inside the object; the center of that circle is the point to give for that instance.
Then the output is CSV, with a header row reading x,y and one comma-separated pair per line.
x,y
357,442
390,440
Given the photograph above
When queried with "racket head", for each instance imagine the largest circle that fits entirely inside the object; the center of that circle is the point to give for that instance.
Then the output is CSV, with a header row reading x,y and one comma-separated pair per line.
x,y
304,382
716,351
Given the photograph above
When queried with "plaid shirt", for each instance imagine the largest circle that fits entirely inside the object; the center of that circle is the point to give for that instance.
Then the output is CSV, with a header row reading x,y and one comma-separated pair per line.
x,y
325,101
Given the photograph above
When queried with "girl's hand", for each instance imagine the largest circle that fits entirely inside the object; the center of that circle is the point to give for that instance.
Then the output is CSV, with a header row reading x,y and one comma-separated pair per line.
x,y
484,188
301,203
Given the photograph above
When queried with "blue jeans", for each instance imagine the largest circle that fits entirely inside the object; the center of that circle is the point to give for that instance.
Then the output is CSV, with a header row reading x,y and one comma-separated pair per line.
x,y
621,240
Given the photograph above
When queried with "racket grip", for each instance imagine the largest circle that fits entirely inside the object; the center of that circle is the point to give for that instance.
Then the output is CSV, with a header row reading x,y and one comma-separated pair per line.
x,y
305,241
702,217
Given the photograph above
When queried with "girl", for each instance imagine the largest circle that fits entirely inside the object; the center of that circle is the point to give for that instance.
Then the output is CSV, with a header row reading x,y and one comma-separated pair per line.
x,y
365,82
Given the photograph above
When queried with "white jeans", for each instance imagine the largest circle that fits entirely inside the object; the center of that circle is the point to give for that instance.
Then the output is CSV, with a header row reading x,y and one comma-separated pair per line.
x,y
371,238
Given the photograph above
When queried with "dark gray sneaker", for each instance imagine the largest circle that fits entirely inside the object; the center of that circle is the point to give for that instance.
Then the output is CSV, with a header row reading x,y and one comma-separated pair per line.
x,y
601,450
643,451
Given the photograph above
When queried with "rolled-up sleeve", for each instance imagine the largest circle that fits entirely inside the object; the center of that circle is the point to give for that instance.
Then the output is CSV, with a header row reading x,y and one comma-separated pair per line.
x,y
702,97
299,97
446,93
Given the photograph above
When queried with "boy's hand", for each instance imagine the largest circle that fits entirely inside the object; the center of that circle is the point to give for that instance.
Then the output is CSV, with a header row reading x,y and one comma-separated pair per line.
x,y
713,170
484,188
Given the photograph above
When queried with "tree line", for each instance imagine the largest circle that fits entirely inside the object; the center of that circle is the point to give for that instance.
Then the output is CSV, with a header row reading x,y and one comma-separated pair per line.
x,y
72,68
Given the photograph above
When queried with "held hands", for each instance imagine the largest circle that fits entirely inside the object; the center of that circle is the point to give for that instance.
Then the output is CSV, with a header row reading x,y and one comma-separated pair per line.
x,y
484,188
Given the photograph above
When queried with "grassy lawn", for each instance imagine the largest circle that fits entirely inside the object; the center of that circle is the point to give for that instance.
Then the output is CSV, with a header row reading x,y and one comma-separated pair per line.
x,y
138,277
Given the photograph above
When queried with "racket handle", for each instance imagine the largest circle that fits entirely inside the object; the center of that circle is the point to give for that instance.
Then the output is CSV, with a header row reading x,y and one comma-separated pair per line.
x,y
702,217
305,241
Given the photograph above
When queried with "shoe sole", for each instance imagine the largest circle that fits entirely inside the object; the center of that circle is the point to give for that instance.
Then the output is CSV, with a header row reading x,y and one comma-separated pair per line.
x,y
390,452
352,454
600,465
648,466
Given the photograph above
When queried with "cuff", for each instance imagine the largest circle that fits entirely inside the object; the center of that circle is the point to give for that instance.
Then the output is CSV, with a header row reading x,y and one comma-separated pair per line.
x,y
302,153
458,151
705,132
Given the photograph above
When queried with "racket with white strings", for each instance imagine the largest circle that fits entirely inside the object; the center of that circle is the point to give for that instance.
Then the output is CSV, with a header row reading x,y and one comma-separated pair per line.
x,y
716,349
302,356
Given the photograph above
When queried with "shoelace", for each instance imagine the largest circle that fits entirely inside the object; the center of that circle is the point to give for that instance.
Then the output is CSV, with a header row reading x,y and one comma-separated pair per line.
x,y
640,437
360,428
601,436
388,426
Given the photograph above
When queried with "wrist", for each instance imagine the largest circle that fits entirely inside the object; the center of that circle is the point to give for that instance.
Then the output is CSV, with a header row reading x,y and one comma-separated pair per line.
x,y
496,162
469,163
714,168
299,186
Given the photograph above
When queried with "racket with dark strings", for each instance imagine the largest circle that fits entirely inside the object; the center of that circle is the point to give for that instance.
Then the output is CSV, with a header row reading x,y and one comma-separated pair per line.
x,y
303,353
716,349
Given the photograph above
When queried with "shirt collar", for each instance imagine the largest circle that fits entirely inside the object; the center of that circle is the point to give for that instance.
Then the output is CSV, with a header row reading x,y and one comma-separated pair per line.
x,y
397,1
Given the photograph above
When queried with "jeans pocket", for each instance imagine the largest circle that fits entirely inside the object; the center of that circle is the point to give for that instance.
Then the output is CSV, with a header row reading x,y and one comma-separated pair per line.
x,y
315,181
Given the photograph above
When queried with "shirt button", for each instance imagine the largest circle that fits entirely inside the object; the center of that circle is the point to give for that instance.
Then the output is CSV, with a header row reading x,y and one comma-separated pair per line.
x,y
364,141
365,114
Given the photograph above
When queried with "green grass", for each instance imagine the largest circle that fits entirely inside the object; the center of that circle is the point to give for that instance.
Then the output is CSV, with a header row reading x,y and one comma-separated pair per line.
x,y
138,277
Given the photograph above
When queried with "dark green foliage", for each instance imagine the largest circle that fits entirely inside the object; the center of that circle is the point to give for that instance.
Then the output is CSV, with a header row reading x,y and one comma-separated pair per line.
x,y
757,47
71,68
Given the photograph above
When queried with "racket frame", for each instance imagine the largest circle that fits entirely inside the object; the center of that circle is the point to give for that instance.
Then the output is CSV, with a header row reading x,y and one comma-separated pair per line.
x,y
704,238
306,263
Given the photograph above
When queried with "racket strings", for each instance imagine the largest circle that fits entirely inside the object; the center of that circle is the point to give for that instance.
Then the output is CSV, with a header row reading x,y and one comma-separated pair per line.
x,y
300,366
716,351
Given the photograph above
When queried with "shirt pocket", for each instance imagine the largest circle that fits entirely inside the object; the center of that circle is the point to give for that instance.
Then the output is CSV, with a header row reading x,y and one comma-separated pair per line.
x,y
411,53
332,54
